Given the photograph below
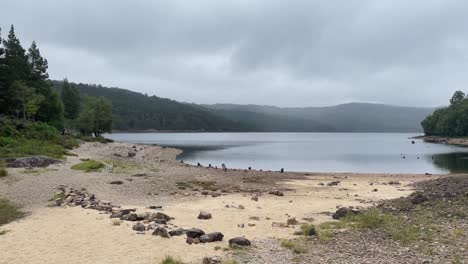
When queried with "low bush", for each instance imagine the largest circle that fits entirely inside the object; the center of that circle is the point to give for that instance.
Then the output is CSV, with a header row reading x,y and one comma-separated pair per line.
x,y
296,245
88,166
9,212
171,260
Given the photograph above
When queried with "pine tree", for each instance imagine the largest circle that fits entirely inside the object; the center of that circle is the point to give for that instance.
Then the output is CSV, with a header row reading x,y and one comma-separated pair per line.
x,y
37,64
71,100
3,75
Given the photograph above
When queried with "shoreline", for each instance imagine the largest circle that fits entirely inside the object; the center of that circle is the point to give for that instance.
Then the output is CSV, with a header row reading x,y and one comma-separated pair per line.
x,y
462,142
153,176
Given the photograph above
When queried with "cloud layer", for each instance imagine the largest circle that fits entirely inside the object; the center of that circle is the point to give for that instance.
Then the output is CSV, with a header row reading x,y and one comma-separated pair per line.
x,y
286,53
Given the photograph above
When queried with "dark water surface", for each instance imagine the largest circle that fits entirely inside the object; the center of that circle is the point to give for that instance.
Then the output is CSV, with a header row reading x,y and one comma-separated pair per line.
x,y
316,152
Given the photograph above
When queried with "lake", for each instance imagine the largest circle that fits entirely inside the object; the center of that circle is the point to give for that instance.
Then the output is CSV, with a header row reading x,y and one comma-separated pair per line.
x,y
312,152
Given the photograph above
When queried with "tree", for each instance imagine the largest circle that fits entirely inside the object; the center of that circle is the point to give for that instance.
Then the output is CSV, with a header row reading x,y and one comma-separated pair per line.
x,y
71,100
37,63
457,98
96,117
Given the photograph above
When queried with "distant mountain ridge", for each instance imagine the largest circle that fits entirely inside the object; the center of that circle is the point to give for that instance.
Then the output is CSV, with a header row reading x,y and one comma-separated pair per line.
x,y
350,117
136,111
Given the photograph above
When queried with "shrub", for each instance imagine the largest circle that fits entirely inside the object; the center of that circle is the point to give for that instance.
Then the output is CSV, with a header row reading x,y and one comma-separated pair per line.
x,y
3,172
88,166
9,212
296,245
171,260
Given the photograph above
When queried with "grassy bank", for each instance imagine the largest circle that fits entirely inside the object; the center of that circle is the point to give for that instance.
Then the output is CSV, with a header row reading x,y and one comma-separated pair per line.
x,y
19,138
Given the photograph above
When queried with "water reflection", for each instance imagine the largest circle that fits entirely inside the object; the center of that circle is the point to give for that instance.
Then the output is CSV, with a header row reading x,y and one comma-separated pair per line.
x,y
453,162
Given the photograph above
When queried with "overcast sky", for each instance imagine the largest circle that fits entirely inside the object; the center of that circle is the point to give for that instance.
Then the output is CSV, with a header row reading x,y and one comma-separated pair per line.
x,y
284,53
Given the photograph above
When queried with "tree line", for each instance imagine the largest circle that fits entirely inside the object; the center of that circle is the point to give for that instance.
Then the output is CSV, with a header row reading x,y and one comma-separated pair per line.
x,y
27,94
451,121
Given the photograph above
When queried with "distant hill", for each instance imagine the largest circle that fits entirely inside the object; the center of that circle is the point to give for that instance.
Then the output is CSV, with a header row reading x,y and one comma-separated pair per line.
x,y
136,111
351,117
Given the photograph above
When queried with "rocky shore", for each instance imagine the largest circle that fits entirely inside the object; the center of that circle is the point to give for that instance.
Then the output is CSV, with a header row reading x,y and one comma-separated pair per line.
x,y
445,140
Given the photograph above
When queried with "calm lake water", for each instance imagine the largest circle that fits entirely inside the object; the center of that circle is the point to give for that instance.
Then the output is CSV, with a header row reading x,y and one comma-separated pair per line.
x,y
314,152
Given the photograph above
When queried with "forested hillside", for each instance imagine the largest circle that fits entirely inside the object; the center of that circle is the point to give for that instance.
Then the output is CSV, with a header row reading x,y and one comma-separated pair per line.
x,y
451,121
136,111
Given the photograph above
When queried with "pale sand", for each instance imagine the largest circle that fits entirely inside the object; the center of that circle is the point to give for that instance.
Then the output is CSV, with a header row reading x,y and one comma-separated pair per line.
x,y
75,235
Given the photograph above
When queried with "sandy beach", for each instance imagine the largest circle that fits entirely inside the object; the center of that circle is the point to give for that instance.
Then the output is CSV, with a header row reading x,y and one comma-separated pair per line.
x,y
154,177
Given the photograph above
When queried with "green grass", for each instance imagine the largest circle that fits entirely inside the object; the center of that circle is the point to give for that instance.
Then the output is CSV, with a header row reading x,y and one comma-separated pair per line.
x,y
96,139
171,260
20,138
9,212
3,172
88,166
308,229
396,226
119,166
298,246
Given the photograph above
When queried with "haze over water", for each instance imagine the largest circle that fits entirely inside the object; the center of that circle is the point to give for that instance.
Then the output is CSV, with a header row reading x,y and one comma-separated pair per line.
x,y
311,152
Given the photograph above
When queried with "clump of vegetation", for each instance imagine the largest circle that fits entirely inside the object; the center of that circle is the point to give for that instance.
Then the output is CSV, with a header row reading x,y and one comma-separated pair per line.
x,y
449,121
2,232
171,260
116,222
88,166
3,172
308,230
396,226
298,246
119,166
9,212
99,139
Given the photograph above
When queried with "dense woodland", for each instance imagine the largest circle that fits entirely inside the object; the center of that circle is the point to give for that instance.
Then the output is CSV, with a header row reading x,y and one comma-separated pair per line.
x,y
26,93
451,121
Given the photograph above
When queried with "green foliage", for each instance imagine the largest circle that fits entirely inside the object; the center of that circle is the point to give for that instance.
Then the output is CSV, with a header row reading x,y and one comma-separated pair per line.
x,y
449,121
71,100
298,246
88,166
3,172
396,226
308,229
171,260
9,212
23,138
96,117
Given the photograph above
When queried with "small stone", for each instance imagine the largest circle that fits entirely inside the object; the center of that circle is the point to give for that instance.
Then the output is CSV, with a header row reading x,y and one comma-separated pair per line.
x,y
298,233
277,193
241,207
255,198
204,215
129,217
255,218
116,182
251,224
333,183
292,221
239,241
419,198
343,211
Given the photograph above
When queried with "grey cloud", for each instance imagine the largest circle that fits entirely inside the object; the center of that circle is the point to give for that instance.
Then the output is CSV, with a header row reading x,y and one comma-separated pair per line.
x,y
288,53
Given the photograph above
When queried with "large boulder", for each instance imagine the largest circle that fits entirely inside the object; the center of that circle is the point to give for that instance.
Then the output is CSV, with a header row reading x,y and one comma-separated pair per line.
x,y
30,162
239,241
194,232
211,237
163,216
161,231
139,227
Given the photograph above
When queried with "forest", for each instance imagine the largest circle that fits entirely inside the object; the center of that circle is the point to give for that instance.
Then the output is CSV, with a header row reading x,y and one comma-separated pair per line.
x,y
26,93
450,121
